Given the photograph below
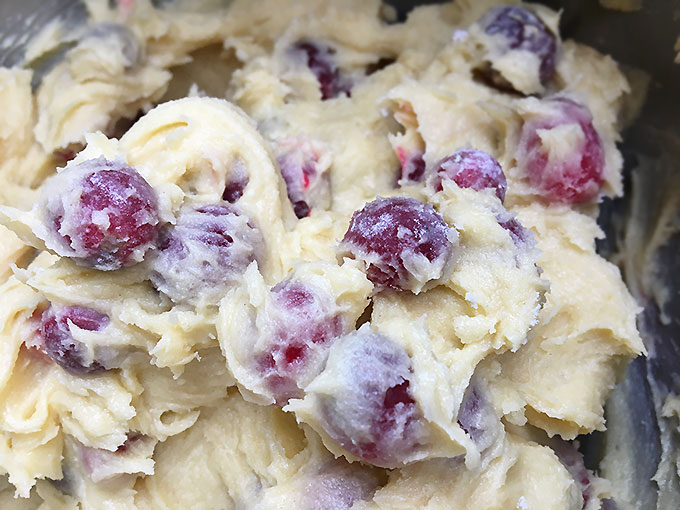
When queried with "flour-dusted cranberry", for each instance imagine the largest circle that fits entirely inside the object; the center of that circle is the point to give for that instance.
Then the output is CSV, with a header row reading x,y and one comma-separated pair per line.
x,y
570,175
412,166
204,253
477,418
57,338
372,413
572,459
523,30
472,169
520,235
320,60
236,182
303,163
306,323
404,243
338,485
102,214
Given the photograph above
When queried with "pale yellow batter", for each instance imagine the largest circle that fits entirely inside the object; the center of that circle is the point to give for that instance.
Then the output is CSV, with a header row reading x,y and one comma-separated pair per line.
x,y
259,347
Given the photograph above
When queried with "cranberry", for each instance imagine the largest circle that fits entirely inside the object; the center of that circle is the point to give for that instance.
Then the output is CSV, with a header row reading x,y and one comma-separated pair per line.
x,y
104,214
204,253
412,166
567,178
234,189
520,235
572,459
301,163
338,485
523,30
398,238
372,414
472,169
319,59
58,342
306,327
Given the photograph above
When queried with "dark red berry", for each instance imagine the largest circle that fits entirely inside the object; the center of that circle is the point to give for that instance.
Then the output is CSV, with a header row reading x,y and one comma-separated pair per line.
x,y
472,169
373,414
306,323
234,189
302,162
204,253
572,459
58,342
104,214
518,233
572,178
397,237
412,166
319,59
523,30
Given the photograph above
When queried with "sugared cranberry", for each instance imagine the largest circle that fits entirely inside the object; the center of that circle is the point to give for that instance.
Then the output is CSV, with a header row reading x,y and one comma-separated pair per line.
x,y
572,459
412,166
302,162
204,253
103,213
305,325
568,177
403,242
523,30
234,189
338,485
58,342
520,235
472,169
372,413
319,59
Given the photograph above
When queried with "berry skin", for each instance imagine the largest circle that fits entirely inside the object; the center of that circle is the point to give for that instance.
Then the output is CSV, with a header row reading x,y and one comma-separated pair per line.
x,y
101,214
204,253
472,169
58,342
570,178
523,30
319,59
404,243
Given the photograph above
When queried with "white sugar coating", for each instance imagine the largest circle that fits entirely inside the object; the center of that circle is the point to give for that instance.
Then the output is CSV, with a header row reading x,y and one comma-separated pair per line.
x,y
204,254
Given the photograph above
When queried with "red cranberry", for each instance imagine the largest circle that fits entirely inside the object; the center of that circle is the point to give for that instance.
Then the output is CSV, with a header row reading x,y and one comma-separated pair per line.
x,y
306,327
518,233
396,237
58,342
412,166
299,161
204,253
319,59
472,169
373,414
572,459
575,178
523,30
234,189
338,485
104,214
